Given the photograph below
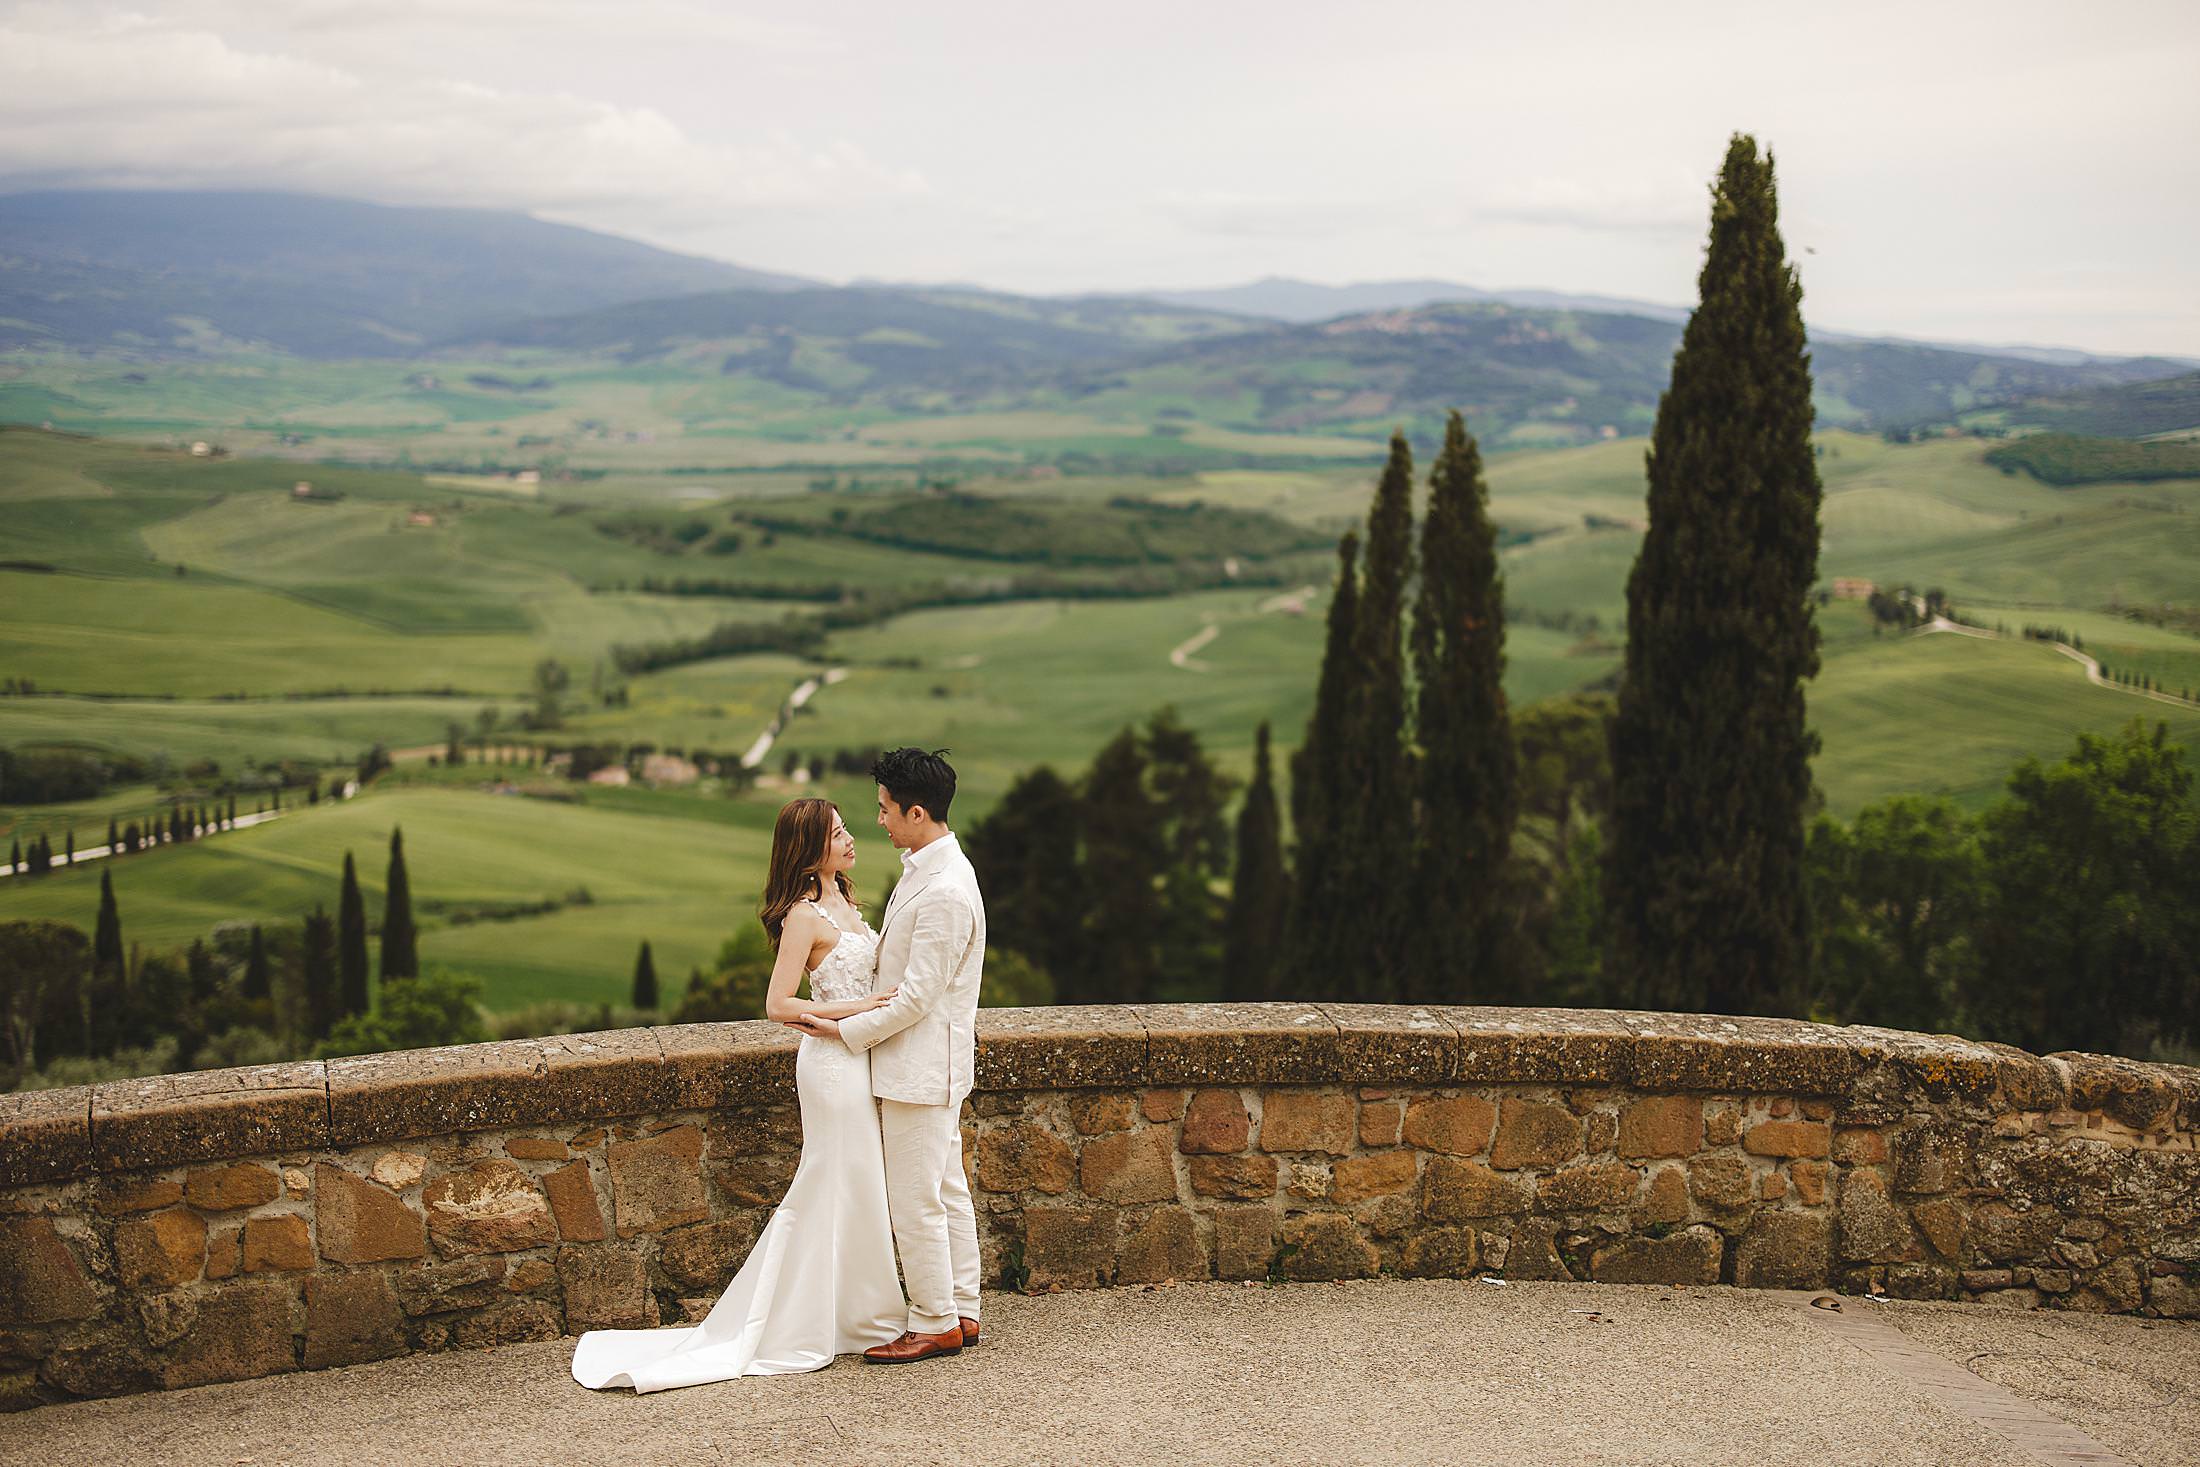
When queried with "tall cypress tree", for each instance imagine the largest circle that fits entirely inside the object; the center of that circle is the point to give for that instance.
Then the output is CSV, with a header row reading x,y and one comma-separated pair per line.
x,y
1260,889
114,838
351,944
1026,856
400,952
68,847
15,857
258,981
317,964
1466,776
1320,957
645,978
1124,850
107,934
1382,831
1710,752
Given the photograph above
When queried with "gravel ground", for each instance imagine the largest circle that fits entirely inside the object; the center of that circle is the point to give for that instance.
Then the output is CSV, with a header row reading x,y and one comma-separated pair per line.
x,y
1373,1372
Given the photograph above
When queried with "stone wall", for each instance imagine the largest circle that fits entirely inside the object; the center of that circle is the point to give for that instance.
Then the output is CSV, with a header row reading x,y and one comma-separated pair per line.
x,y
227,1224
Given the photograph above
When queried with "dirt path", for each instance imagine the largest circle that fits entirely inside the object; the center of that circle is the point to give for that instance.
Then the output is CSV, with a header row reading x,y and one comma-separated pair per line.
x,y
2092,667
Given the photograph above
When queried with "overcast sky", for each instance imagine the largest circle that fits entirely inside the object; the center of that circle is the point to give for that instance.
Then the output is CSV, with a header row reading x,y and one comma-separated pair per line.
x,y
2004,172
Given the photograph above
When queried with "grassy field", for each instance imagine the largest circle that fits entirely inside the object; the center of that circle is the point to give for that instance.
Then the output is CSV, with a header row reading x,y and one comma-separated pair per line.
x,y
280,597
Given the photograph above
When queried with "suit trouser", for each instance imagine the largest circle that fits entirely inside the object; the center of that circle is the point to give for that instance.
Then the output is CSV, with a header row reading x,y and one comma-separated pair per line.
x,y
935,1227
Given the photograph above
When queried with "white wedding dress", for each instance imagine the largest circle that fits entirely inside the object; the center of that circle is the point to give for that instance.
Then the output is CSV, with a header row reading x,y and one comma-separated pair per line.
x,y
820,1281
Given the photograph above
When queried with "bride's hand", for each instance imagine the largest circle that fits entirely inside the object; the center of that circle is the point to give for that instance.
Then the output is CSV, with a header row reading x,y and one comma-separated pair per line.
x,y
881,1000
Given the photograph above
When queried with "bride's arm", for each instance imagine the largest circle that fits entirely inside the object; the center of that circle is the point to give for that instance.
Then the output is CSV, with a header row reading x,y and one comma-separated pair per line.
x,y
796,939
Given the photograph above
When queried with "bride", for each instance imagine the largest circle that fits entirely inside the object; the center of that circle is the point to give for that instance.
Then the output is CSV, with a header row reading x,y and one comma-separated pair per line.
x,y
820,1281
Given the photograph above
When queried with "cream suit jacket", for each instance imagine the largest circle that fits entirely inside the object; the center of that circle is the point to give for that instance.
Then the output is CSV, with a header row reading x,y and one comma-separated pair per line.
x,y
932,943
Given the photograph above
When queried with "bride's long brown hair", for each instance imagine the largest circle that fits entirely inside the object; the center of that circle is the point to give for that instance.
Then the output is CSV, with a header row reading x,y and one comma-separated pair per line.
x,y
799,840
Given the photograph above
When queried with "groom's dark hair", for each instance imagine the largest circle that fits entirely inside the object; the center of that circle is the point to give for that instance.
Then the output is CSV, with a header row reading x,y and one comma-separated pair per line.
x,y
913,777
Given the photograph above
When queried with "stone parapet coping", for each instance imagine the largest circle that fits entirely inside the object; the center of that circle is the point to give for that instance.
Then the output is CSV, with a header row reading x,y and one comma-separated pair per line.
x,y
259,1110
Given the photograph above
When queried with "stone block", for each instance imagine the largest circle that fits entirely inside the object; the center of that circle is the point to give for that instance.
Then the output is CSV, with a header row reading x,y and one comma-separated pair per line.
x,y
1667,1200
573,1205
1920,1281
1532,1252
1073,1247
219,1189
1245,1242
167,1317
206,1115
754,1130
1690,1256
277,1244
758,1181
1453,1190
1859,1146
114,1196
1326,1245
706,1256
1785,1250
41,1281
1810,1181
1373,1174
1457,1126
1164,1245
605,1288
1308,1120
352,1318
1440,1253
2002,1234
1722,1126
1392,1044
1239,1044
1721,1183
2173,1297
1601,1186
1788,1138
1129,1167
1023,1156
1603,1129
1531,1133
358,1222
513,1322
492,1206
1100,1112
1163,1105
1946,1224
536,1148
1661,1125
225,1252
657,1182
1066,1047
160,1249
1381,1122
45,1135
1872,1228
243,1331
435,1092
1215,1123
1541,1046
1933,1158
2141,1096
1239,1177
398,1170
438,1288
105,1363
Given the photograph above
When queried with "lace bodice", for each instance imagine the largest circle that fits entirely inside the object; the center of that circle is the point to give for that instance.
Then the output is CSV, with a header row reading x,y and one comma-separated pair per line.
x,y
846,971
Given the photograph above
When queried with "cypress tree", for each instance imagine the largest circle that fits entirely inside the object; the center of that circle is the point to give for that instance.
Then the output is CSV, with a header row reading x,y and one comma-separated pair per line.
x,y
1710,751
1026,855
68,847
1260,890
1383,905
232,821
107,933
1124,851
351,944
257,980
317,958
1468,797
15,857
400,953
645,979
114,838
1323,799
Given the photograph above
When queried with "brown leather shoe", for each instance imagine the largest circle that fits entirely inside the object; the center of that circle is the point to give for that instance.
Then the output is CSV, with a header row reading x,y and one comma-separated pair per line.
x,y
915,1347
970,1332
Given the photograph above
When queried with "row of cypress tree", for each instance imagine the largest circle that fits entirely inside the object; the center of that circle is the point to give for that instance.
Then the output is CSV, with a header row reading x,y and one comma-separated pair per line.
x,y
1403,792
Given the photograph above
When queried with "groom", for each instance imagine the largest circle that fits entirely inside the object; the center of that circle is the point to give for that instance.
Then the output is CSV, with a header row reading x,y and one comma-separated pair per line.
x,y
932,947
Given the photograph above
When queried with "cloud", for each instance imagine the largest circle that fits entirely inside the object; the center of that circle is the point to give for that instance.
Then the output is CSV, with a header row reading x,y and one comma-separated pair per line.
x,y
123,100
1241,216
1673,204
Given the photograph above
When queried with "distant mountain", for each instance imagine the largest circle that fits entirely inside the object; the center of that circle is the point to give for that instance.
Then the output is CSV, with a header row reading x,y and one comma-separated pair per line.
x,y
319,277
1281,299
862,339
2122,410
